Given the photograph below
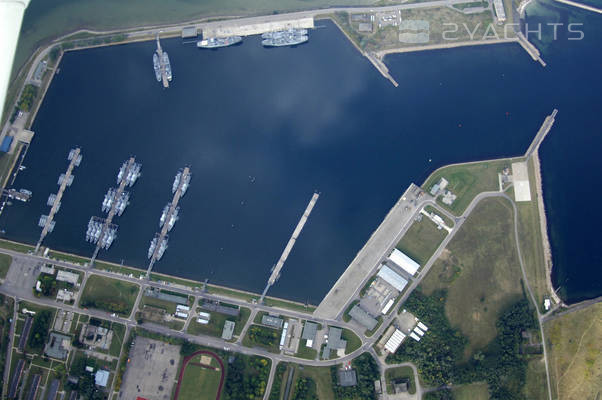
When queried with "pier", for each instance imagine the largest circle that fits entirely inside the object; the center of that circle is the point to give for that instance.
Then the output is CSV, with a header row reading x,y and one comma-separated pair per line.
x,y
581,5
128,174
541,134
54,200
530,48
179,188
289,246
164,77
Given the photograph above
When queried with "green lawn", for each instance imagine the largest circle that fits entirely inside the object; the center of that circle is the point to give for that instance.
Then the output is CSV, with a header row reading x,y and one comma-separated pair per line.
x,y
168,306
421,240
68,257
216,323
473,391
5,262
308,353
468,180
400,373
320,376
20,247
111,295
482,251
529,233
353,341
118,337
120,269
199,383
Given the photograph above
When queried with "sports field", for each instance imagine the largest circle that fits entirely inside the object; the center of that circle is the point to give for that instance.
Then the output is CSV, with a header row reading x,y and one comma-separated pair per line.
x,y
201,377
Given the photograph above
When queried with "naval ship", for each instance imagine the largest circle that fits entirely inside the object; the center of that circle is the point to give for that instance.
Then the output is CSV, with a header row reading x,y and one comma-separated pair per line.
x,y
166,65
157,67
214,43
289,37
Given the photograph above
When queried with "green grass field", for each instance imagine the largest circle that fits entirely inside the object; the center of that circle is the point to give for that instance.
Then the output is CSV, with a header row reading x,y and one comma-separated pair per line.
x,y
168,306
353,341
308,353
118,338
482,251
200,383
20,247
320,376
110,295
421,240
5,262
468,180
400,373
574,355
474,391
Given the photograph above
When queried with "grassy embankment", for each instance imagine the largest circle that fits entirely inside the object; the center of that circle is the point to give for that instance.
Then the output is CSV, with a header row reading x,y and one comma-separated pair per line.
x,y
529,232
574,354
421,240
482,252
111,295
5,262
468,180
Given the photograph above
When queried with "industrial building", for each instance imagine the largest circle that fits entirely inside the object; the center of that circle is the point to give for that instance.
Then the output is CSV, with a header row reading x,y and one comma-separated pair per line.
x,y
362,317
68,277
395,341
96,336
228,330
271,321
215,306
58,346
347,377
53,389
392,278
47,270
309,333
335,342
404,262
439,186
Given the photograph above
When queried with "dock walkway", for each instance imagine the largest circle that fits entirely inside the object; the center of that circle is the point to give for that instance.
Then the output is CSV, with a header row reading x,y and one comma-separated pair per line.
x,y
107,223
289,246
67,179
172,209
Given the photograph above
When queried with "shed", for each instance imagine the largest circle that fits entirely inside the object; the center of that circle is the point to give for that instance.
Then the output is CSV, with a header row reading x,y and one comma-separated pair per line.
x,y
404,262
101,378
392,278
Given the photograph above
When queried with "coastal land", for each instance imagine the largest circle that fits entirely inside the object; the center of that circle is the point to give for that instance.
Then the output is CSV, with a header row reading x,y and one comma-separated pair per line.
x,y
484,216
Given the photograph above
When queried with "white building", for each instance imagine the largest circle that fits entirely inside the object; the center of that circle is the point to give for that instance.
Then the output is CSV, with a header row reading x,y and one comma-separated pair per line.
x,y
387,306
404,262
415,337
423,327
499,11
392,278
395,341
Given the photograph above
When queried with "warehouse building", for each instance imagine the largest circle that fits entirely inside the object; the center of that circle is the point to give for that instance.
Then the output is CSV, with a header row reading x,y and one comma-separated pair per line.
x,y
392,278
309,333
228,330
362,317
272,321
404,262
394,341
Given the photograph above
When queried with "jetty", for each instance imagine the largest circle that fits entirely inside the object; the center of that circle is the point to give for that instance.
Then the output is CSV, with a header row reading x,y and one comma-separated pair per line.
x,y
289,246
159,243
54,200
581,5
127,176
541,134
530,48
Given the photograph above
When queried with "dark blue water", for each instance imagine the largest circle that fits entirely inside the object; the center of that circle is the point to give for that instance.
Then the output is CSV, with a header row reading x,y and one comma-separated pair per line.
x,y
316,117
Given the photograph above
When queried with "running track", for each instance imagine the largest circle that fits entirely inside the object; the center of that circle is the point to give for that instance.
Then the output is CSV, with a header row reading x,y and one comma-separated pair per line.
x,y
185,364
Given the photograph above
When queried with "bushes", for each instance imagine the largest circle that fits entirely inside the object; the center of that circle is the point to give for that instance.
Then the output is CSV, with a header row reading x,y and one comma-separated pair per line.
x,y
305,389
27,97
39,330
247,377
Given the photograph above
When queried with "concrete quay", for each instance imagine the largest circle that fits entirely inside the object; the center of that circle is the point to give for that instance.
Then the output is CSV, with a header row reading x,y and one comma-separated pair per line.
x,y
580,5
236,28
372,254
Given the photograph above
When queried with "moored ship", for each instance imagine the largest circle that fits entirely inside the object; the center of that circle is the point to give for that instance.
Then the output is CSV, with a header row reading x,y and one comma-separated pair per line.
x,y
214,43
286,40
157,67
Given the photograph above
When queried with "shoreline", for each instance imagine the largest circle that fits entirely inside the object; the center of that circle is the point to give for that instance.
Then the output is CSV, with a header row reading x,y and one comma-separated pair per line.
x,y
543,226
411,49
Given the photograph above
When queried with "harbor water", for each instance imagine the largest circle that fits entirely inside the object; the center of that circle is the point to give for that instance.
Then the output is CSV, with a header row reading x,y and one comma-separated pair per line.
x,y
262,129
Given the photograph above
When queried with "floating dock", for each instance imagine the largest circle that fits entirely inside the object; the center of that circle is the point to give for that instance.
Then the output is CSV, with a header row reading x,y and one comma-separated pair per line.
x,y
168,218
289,246
103,231
54,200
